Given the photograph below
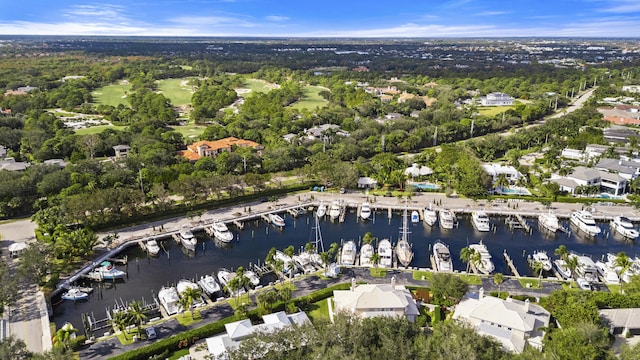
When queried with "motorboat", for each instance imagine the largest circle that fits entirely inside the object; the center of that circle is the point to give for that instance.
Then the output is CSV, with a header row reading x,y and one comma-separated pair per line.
x,y
586,268
608,274
254,279
152,247
106,271
584,221
276,220
75,294
549,221
633,270
430,215
305,262
221,232
385,251
623,226
225,276
288,265
209,285
485,265
540,256
333,270
583,284
442,257
348,253
365,211
183,285
187,239
169,300
446,218
562,269
404,252
480,220
415,217
365,255
334,210
322,209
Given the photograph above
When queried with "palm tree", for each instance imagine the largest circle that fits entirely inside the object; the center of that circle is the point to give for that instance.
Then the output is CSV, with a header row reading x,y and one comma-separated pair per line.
x,y
466,255
623,262
121,320
269,259
285,294
572,265
498,279
187,298
367,238
136,314
309,247
501,181
538,267
333,250
375,259
289,251
476,259
562,252
63,335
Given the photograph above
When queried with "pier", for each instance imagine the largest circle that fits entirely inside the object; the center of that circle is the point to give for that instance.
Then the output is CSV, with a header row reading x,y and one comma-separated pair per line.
x,y
512,267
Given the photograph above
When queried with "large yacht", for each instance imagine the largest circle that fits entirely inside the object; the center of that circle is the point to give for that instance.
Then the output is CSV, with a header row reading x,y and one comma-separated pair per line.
x,y
334,210
185,284
348,253
480,220
430,215
586,268
221,232
540,256
169,299
549,221
404,252
442,257
485,265
365,211
365,255
562,268
385,251
447,219
585,222
187,239
623,226
209,284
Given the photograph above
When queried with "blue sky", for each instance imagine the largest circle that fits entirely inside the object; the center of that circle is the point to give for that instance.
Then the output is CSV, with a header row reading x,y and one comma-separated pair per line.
x,y
325,18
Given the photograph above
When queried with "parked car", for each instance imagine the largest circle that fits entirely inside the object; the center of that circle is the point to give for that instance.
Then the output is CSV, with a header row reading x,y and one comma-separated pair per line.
x,y
151,333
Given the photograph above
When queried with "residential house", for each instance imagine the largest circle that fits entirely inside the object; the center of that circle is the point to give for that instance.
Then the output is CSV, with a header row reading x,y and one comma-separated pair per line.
x,y
621,114
10,164
513,323
418,170
574,154
496,99
631,88
628,169
204,148
122,151
318,132
367,183
23,90
495,170
220,345
389,117
606,181
369,300
619,134
622,321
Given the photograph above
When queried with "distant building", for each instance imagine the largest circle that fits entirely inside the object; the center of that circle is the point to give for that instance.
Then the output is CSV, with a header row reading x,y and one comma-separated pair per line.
x,y
367,183
23,90
606,181
317,132
495,170
513,323
360,69
201,149
496,99
122,151
631,88
369,300
621,114
10,164
418,170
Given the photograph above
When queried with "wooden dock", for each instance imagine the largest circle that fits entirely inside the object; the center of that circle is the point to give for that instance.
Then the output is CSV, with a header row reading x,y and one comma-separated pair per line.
x,y
343,213
512,267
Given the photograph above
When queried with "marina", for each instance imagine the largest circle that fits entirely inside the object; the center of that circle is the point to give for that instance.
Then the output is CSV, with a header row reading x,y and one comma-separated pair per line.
x,y
147,275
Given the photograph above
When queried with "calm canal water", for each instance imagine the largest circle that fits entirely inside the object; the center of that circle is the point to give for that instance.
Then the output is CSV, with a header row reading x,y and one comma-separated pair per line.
x,y
147,275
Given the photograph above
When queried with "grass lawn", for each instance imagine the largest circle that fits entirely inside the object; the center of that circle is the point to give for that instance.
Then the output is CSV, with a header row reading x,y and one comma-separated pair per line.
x,y
98,129
179,354
422,275
186,318
614,288
129,338
311,98
113,95
319,310
491,111
256,85
471,279
289,285
190,131
378,272
533,283
176,90
236,301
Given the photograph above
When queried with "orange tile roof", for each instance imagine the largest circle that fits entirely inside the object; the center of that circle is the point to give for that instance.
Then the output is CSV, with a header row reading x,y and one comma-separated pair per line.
x,y
192,150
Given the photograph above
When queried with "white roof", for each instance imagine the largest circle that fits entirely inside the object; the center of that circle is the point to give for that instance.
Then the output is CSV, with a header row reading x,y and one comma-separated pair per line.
x,y
417,170
374,297
367,181
239,329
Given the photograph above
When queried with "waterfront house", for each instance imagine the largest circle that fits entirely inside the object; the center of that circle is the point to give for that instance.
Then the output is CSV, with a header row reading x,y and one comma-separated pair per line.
x,y
204,148
513,323
495,170
496,99
606,181
367,183
369,300
622,321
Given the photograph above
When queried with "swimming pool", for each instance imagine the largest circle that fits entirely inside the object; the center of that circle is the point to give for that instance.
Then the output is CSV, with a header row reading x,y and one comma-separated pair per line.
x,y
426,186
514,191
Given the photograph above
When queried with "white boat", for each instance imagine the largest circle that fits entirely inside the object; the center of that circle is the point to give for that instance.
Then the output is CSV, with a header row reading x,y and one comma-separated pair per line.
x,y
276,220
608,274
365,255
562,269
169,299
365,211
549,222
404,252
322,209
623,226
583,284
209,285
254,279
187,239
415,217
306,261
541,257
221,232
386,253
485,265
480,220
585,222
442,257
633,270
287,261
334,210
348,253
75,294
106,271
225,276
586,268
152,247
430,216
446,218
185,284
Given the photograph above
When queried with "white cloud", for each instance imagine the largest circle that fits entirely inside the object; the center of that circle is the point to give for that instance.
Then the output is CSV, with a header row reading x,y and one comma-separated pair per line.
x,y
492,13
622,6
87,13
277,18
215,21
